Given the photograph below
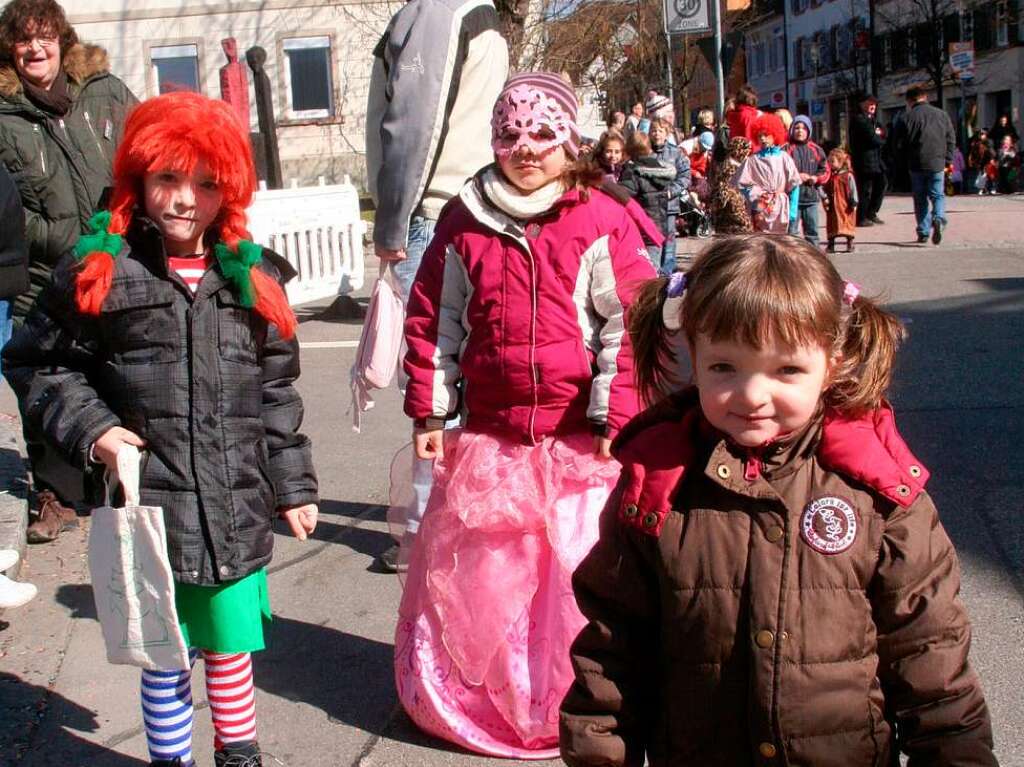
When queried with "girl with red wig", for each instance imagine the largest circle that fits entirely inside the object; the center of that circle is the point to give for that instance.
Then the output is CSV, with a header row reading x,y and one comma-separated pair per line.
x,y
168,329
769,176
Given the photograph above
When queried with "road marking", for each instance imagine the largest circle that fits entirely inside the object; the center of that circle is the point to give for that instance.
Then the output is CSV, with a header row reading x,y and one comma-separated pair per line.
x,y
329,345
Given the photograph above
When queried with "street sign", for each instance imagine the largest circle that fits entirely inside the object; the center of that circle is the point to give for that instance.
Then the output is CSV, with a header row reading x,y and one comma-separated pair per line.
x,y
687,16
961,60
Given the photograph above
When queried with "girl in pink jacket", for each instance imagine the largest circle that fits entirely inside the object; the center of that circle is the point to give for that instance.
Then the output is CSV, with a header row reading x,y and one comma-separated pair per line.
x,y
516,321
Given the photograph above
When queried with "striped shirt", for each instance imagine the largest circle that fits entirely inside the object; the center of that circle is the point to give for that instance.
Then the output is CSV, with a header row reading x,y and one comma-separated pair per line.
x,y
191,270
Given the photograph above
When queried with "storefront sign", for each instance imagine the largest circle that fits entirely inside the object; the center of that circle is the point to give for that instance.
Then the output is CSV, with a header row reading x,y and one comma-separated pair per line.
x,y
961,60
817,108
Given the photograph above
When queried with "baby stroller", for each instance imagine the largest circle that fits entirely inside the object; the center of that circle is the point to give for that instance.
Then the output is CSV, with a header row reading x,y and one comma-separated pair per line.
x,y
693,220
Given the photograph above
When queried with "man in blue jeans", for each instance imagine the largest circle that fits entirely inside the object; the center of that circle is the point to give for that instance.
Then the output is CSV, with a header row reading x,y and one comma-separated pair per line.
x,y
926,138
428,129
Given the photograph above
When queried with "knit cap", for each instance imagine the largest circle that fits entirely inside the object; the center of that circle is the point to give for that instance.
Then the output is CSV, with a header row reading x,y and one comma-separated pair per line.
x,y
530,101
658,107
707,140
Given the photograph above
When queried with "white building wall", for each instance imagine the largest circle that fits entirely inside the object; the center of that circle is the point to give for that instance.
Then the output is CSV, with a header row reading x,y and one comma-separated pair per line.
x,y
329,147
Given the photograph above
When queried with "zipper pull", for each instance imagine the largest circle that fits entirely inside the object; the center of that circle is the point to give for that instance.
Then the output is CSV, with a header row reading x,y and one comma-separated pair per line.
x,y
752,468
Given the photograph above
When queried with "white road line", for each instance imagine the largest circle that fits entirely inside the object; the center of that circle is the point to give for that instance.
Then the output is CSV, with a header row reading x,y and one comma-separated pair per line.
x,y
329,345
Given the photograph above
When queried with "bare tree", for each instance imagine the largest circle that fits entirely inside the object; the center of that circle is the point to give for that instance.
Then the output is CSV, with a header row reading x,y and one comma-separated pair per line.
x,y
921,30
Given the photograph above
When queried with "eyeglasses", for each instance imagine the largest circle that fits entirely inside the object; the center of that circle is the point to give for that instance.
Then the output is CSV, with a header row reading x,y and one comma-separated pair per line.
x,y
45,41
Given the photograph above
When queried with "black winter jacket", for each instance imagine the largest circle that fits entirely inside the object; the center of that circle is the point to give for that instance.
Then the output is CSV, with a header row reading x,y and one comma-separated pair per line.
x,y
865,145
648,180
203,380
926,137
13,253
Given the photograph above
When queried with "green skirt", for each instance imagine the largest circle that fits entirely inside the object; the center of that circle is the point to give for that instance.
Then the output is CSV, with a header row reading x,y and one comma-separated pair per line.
x,y
224,618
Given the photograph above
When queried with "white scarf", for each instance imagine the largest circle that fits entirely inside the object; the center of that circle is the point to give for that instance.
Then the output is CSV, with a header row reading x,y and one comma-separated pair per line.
x,y
513,201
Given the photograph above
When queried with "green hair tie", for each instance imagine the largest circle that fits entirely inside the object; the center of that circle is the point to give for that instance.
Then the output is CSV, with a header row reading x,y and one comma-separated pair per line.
x,y
99,238
236,267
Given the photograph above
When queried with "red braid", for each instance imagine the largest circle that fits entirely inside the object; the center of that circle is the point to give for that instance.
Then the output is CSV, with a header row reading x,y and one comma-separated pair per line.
x,y
272,303
92,283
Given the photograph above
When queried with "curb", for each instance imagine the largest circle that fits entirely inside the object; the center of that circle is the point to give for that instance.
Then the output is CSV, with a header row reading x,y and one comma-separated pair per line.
x,y
13,493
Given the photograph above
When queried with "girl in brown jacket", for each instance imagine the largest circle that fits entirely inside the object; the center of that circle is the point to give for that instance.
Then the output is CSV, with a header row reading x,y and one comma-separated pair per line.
x,y
772,585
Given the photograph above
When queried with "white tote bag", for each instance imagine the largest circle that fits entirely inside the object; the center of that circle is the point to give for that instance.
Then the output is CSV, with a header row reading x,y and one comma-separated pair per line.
x,y
131,577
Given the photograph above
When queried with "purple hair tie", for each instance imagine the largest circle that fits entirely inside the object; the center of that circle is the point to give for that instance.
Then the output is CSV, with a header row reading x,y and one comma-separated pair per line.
x,y
676,285
850,292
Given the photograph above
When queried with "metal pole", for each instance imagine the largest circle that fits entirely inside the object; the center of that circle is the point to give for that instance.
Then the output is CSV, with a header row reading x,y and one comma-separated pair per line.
x,y
671,85
716,22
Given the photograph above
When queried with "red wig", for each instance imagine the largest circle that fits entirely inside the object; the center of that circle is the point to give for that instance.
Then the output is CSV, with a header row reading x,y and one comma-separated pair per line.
x,y
771,125
175,132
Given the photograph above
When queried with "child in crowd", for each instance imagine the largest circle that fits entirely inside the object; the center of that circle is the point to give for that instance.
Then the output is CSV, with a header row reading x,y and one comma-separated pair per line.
x,y
671,157
979,155
814,172
168,329
839,195
520,302
772,584
611,154
649,181
699,155
1006,159
768,176
729,209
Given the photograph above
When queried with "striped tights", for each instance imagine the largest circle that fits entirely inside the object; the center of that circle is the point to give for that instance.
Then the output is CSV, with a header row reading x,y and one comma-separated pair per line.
x,y
167,705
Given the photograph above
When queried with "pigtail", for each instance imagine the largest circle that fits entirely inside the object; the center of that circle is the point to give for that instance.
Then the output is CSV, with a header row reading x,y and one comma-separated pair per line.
x,y
867,353
653,354
272,303
95,253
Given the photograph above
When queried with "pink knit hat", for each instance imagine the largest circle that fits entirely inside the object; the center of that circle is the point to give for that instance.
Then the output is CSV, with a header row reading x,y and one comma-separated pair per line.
x,y
531,102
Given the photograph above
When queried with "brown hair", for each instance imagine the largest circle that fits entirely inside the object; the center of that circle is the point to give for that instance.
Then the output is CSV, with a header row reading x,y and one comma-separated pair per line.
x,y
45,15
760,288
639,145
841,155
608,136
746,95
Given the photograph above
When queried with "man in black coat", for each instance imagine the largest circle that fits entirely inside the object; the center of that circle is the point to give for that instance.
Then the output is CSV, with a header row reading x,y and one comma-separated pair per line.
x,y
867,138
13,253
926,138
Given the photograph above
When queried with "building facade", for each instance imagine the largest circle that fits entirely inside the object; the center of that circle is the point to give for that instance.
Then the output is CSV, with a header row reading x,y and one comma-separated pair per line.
x,y
765,46
319,58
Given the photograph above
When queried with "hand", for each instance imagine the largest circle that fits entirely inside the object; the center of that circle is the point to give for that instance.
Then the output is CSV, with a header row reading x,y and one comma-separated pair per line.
x,y
105,448
429,444
602,447
301,519
386,254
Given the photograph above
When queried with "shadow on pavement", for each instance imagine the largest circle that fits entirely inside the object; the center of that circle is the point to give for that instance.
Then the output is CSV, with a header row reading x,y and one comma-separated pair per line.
x,y
78,598
23,706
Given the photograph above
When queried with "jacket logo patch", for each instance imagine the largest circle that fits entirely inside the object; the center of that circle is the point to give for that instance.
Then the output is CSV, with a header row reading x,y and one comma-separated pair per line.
x,y
829,525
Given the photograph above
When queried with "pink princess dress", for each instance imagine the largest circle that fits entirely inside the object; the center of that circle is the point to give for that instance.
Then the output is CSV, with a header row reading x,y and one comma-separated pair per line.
x,y
488,613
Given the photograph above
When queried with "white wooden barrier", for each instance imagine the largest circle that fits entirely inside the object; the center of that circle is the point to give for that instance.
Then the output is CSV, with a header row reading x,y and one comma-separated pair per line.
x,y
319,231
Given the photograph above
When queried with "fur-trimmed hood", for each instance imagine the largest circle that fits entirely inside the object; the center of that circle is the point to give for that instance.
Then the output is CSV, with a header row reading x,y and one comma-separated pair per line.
x,y
81,62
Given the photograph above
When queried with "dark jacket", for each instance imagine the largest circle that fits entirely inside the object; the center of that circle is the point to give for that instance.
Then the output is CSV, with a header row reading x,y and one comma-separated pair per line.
x,y
926,137
201,378
809,158
61,165
13,253
785,606
671,156
648,180
865,145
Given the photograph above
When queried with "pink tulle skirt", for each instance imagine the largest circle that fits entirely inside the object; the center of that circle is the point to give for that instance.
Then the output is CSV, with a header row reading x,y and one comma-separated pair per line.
x,y
488,614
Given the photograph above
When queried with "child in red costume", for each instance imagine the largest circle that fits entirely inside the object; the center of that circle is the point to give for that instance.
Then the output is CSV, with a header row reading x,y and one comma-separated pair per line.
x,y
168,329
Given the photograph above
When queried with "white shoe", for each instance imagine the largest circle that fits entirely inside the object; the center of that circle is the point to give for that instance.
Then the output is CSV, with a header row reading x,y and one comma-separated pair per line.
x,y
8,559
15,594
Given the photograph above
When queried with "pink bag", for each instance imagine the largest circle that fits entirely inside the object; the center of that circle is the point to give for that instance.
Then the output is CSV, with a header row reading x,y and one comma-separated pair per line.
x,y
380,344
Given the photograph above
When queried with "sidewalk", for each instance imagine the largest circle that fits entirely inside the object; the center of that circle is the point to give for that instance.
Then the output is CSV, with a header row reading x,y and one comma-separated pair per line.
x,y
989,221
13,489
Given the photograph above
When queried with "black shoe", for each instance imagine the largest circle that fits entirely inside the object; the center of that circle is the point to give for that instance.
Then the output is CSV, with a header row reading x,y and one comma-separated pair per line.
x,y
922,238
831,247
936,232
245,754
388,560
866,222
875,220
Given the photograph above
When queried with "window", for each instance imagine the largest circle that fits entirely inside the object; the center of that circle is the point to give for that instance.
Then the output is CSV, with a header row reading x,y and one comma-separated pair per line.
x,y
1002,23
176,67
759,57
798,57
775,52
984,23
308,77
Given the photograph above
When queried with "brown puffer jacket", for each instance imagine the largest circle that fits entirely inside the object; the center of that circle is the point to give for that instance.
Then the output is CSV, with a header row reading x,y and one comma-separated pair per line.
x,y
781,608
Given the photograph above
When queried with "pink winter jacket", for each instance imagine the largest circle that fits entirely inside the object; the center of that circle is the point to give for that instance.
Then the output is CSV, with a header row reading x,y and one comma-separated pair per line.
x,y
530,318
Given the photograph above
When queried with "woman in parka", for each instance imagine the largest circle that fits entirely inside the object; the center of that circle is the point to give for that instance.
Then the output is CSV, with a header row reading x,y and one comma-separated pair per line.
x,y
61,118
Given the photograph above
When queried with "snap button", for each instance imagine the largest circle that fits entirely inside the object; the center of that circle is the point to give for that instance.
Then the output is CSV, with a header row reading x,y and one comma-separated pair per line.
x,y
631,510
194,573
723,471
783,636
225,570
774,534
650,520
915,471
768,751
903,490
764,639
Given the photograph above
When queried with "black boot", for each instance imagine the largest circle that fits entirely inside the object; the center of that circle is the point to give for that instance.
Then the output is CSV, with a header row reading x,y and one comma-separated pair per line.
x,y
244,754
831,245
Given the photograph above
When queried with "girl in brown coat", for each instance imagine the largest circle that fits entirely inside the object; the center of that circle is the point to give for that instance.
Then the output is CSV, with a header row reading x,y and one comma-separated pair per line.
x,y
772,585
840,199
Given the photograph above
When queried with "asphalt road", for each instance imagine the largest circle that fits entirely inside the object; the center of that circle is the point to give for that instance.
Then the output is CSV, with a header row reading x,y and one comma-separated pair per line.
x,y
325,690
